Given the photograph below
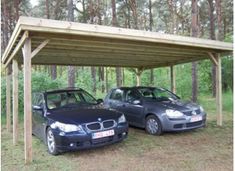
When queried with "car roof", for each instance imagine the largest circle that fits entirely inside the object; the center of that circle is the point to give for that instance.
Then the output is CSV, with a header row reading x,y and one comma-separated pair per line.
x,y
135,87
62,90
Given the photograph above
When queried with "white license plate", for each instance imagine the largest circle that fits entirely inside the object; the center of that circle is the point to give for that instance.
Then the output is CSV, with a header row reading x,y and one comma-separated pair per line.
x,y
103,134
196,118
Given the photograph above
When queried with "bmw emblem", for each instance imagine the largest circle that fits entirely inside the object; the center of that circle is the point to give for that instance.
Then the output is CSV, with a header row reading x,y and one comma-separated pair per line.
x,y
99,119
194,112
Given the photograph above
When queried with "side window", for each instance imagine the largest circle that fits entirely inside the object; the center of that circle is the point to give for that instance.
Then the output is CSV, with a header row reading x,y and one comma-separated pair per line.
x,y
132,95
117,95
38,100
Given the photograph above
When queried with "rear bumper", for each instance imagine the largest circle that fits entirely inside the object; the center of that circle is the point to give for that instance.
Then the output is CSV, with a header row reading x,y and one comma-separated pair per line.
x,y
75,141
182,125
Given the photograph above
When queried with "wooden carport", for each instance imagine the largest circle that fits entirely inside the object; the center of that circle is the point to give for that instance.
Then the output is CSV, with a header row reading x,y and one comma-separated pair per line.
x,y
48,42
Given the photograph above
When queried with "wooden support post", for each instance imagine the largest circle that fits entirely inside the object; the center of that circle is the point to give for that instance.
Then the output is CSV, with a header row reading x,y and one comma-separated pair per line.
x,y
173,85
27,102
8,99
138,76
15,101
219,91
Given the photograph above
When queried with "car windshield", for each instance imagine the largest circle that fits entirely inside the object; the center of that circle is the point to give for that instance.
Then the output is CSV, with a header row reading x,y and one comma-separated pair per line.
x,y
69,99
157,93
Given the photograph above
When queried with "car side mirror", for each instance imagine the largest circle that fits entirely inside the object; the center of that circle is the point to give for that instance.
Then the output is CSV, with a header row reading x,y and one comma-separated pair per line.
x,y
136,102
99,101
35,107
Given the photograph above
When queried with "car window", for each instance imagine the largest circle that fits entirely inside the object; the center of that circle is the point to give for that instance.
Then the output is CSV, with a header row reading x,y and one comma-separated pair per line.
x,y
69,99
132,95
117,95
157,93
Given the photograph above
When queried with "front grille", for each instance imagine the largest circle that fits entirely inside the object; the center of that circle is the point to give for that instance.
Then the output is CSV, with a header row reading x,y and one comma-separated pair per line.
x,y
108,124
193,124
94,126
189,113
97,126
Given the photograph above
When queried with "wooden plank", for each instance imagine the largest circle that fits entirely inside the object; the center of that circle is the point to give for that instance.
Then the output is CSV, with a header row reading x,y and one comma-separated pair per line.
x,y
27,102
18,46
173,85
88,41
110,52
42,45
213,58
8,99
219,92
15,101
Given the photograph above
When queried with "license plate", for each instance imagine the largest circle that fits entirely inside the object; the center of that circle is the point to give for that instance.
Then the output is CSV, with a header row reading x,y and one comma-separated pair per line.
x,y
196,118
103,134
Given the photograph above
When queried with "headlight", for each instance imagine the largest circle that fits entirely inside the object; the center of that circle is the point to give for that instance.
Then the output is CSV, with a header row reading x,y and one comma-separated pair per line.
x,y
66,127
201,108
174,113
122,119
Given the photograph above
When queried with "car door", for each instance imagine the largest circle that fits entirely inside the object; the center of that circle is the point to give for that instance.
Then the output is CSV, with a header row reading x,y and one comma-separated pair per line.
x,y
133,107
39,120
116,100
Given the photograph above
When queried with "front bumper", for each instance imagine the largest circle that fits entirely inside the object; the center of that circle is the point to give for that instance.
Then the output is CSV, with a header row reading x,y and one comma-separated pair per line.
x,y
76,141
182,125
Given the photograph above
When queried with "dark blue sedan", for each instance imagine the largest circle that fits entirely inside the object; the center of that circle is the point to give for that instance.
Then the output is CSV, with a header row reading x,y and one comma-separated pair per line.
x,y
72,119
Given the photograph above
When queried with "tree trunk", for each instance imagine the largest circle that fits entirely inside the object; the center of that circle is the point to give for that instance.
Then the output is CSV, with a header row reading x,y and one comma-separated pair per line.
x,y
71,69
172,15
150,28
93,75
194,64
53,72
219,19
114,23
47,9
212,36
133,7
106,79
6,23
16,4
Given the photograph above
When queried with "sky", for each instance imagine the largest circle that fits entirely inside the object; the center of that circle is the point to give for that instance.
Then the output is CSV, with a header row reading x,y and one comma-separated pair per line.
x,y
34,2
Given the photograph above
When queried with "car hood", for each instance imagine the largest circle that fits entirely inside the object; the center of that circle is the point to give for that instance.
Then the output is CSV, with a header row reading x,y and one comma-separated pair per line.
x,y
175,105
82,115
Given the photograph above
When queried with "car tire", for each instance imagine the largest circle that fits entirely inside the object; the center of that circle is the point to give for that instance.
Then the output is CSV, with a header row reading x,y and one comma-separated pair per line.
x,y
153,125
51,144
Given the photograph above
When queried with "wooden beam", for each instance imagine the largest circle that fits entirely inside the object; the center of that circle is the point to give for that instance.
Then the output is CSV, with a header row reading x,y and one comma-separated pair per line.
x,y
11,42
213,58
219,92
15,100
42,45
8,99
173,85
18,46
27,102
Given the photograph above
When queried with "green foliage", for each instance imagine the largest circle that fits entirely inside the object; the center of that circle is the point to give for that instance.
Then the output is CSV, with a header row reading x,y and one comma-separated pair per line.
x,y
40,82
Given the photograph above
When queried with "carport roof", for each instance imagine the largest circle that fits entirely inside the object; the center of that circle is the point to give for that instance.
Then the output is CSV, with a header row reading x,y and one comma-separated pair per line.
x,y
70,43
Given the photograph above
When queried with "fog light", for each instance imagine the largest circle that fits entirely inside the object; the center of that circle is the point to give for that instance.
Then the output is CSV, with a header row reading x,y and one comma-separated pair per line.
x,y
72,144
61,133
124,133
